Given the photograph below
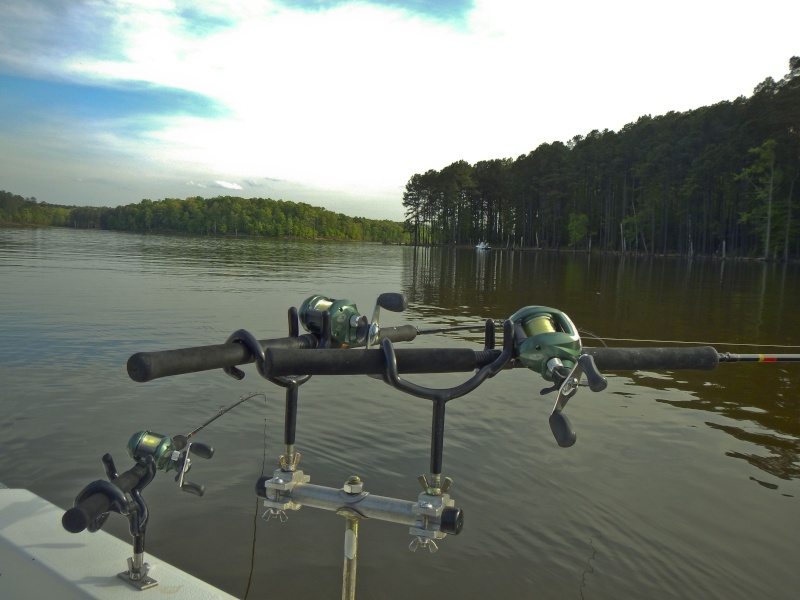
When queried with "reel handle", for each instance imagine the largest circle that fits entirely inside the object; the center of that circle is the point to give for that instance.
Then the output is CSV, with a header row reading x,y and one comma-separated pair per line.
x,y
183,465
597,382
393,301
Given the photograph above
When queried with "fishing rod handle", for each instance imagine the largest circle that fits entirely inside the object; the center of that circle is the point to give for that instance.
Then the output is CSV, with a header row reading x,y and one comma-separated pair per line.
x,y
88,510
703,358
146,366
281,362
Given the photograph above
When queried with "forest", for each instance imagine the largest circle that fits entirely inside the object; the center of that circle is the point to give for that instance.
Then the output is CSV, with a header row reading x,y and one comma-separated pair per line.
x,y
719,180
224,215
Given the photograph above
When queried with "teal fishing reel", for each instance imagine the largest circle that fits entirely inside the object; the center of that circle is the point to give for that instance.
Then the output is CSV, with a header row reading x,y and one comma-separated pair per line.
x,y
339,322
169,454
122,493
547,342
348,327
148,443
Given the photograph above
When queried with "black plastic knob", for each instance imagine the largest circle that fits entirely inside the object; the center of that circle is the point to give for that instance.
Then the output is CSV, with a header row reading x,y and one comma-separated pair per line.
x,y
452,520
562,430
597,383
261,489
202,450
393,301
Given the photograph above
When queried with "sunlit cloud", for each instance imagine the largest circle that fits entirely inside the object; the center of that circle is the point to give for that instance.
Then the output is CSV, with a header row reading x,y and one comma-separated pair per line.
x,y
228,185
336,99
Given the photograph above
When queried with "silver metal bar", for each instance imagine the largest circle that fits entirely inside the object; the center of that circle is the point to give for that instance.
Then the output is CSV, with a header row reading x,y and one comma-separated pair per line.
x,y
364,504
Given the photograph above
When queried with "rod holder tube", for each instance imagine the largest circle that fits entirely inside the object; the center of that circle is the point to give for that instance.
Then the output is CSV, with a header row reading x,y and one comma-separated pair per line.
x,y
437,437
364,504
290,420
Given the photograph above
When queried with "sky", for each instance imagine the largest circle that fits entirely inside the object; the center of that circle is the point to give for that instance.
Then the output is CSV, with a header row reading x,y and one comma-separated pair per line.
x,y
337,103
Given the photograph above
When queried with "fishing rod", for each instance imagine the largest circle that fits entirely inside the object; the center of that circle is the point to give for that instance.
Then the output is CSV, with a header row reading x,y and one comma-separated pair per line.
x,y
329,323
731,357
448,329
339,341
182,439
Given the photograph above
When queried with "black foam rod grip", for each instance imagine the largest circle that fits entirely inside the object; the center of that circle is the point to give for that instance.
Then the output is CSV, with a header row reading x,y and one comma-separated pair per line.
x,y
655,359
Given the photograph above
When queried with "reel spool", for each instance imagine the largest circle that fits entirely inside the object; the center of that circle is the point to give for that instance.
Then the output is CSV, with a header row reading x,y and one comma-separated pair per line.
x,y
169,453
148,443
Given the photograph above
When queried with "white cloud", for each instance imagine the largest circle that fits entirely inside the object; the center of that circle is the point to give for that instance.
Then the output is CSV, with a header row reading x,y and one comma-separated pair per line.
x,y
356,98
228,185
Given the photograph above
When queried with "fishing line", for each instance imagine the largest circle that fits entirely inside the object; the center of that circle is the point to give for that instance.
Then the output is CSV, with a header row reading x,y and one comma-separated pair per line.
x,y
223,410
590,568
183,440
698,343
592,334
603,340
255,517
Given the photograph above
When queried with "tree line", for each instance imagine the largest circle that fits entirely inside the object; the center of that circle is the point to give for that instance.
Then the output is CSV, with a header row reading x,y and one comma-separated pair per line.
x,y
718,180
223,215
16,210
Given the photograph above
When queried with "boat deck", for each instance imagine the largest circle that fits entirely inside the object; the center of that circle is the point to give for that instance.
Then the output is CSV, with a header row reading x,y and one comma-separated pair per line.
x,y
39,559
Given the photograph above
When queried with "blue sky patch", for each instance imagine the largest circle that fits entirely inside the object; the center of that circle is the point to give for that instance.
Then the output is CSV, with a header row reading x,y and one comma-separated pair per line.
x,y
200,24
22,100
442,10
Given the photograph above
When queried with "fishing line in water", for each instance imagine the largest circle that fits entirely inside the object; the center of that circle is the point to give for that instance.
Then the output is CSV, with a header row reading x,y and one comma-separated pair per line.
x,y
222,410
255,519
589,567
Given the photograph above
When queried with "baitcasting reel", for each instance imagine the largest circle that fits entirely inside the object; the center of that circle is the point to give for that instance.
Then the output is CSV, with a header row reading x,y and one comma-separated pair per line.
x,y
122,493
168,454
547,342
347,326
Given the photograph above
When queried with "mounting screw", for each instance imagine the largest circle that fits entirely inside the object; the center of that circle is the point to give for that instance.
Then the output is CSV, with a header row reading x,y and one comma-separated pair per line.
x,y
353,485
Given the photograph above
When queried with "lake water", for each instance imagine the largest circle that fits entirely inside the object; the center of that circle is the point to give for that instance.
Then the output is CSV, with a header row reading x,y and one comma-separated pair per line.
x,y
681,484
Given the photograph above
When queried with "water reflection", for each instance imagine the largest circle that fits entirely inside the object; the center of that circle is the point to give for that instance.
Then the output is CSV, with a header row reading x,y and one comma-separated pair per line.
x,y
641,506
630,299
782,461
637,297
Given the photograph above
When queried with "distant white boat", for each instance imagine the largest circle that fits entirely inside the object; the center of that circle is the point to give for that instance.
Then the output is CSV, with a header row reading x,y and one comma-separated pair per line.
x,y
483,246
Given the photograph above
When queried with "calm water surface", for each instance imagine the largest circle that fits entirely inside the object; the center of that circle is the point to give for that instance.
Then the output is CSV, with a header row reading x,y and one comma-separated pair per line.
x,y
681,484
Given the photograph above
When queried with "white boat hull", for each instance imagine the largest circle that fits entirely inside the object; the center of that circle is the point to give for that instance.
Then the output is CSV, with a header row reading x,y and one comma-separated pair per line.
x,y
39,559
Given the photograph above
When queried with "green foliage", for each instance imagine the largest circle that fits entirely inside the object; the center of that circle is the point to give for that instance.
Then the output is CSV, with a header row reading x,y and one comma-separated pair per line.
x,y
762,176
578,228
683,183
16,210
224,215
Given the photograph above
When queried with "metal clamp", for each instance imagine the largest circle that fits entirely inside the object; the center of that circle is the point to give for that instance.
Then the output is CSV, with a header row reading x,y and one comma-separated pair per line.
x,y
277,490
